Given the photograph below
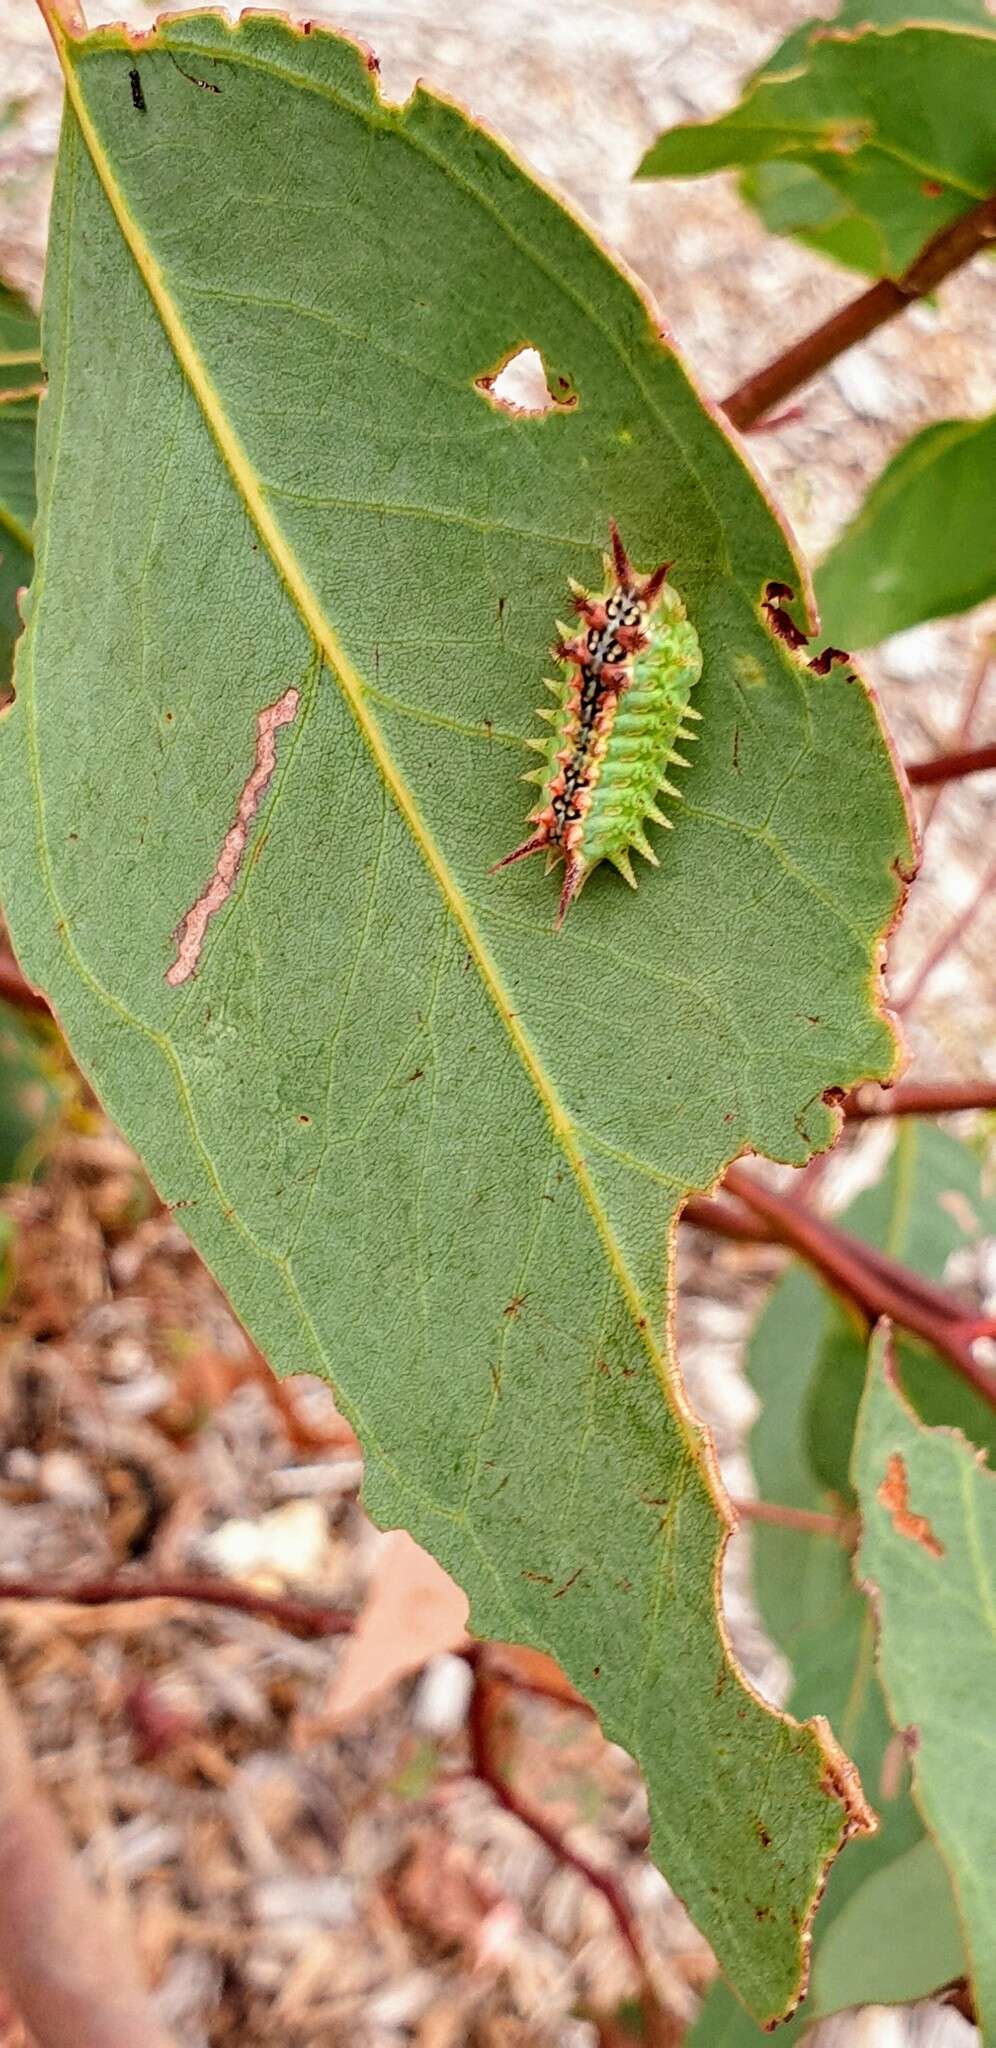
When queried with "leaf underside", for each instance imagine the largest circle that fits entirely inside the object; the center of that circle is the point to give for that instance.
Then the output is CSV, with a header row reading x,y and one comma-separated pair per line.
x,y
296,581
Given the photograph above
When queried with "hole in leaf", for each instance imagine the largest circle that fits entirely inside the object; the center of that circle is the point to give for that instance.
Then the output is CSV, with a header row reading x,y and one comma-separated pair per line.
x,y
521,387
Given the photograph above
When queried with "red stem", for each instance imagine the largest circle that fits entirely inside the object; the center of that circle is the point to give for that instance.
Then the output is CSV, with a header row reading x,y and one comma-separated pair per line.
x,y
806,1520
948,767
878,1286
299,1617
918,1098
947,251
602,1880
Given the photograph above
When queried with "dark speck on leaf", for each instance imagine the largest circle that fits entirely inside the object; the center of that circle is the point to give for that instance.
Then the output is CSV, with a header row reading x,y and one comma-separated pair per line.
x,y
137,95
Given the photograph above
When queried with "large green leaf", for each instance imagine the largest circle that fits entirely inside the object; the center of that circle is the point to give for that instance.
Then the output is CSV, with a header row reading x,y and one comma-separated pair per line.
x,y
20,372
433,1150
928,1545
849,115
924,541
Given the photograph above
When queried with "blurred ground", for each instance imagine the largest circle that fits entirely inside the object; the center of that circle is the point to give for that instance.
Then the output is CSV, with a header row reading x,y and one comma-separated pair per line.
x,y
306,1884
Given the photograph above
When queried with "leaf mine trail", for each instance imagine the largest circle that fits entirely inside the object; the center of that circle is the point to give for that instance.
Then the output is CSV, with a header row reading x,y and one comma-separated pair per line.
x,y
191,930
894,1497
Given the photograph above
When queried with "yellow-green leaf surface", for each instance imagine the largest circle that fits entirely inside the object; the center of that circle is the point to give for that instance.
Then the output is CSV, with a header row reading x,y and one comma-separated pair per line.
x,y
897,121
297,579
928,1553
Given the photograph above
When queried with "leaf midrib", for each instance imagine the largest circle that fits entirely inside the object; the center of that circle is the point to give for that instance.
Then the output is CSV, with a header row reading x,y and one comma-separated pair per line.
x,y
353,689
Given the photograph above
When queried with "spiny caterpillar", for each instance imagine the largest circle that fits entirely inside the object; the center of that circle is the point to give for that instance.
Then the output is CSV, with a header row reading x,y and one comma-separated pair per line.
x,y
618,713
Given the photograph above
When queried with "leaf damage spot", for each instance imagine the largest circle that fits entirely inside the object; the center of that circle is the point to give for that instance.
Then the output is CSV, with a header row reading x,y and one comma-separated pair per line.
x,y
520,386
893,1496
206,84
190,932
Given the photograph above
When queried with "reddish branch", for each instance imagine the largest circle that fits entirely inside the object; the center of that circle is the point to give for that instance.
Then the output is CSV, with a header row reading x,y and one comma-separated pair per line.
x,y
13,987
67,1970
947,251
949,767
918,1098
806,1520
299,1617
876,1284
483,1701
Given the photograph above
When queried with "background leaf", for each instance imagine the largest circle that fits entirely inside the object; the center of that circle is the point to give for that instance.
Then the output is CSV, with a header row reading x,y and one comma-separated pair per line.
x,y
20,371
928,1513
896,1939
792,198
924,542
807,1363
933,1200
848,116
433,1150
34,1089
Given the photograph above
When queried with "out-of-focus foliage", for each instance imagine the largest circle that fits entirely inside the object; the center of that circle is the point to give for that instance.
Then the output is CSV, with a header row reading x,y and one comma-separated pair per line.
x,y
924,541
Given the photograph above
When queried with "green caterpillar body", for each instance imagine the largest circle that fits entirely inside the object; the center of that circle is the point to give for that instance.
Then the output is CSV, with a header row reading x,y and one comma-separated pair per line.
x,y
621,704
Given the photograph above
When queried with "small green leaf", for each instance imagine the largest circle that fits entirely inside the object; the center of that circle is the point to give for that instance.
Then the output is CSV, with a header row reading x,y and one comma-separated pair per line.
x,y
795,50
928,1511
794,200
33,1091
8,1238
849,115
294,601
20,343
924,542
20,374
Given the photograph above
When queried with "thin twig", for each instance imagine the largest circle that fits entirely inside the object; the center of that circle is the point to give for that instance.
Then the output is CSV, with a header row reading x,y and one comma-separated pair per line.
x,y
950,937
877,1285
960,738
502,1792
917,1098
806,1520
950,767
944,253
299,1617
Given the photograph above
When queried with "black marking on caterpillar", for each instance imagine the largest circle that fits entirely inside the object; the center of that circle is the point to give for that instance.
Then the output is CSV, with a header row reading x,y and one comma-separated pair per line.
x,y
618,711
